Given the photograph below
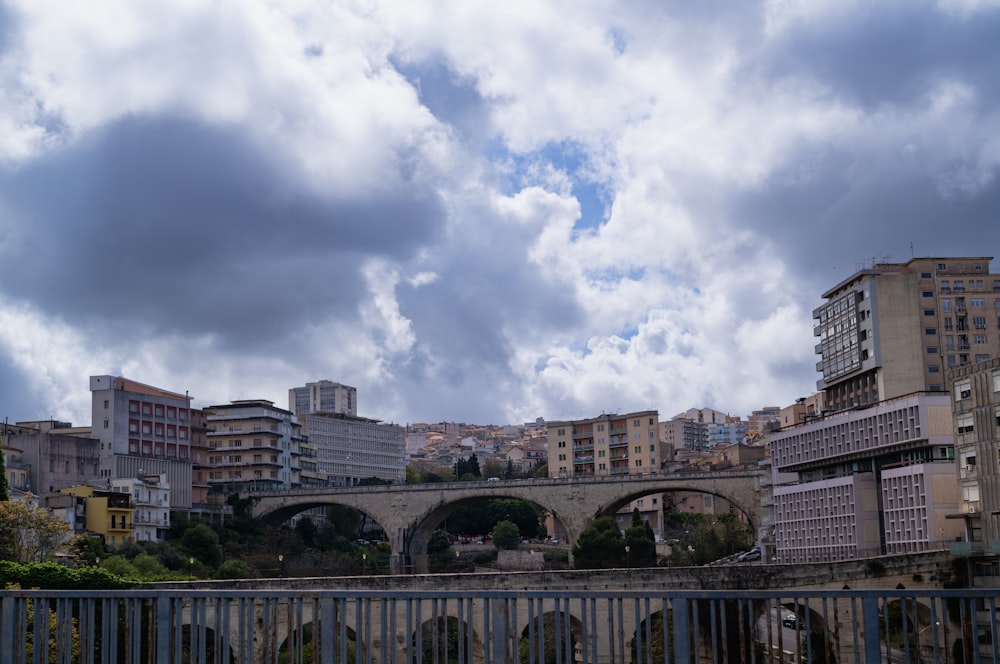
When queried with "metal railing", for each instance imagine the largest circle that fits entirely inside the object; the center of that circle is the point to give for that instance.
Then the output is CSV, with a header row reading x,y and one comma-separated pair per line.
x,y
494,627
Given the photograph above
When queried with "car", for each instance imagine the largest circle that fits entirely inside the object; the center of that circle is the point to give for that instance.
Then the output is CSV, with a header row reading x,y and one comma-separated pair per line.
x,y
790,620
747,556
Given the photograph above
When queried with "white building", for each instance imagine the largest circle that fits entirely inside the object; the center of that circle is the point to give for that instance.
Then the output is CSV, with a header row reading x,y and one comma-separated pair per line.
x,y
151,505
324,396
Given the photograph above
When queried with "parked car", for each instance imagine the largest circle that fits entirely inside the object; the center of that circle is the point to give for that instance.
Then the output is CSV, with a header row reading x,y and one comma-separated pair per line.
x,y
789,620
747,556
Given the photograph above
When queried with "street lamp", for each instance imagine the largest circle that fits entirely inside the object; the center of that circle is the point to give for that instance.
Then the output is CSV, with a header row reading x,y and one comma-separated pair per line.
x,y
281,565
364,563
191,567
628,561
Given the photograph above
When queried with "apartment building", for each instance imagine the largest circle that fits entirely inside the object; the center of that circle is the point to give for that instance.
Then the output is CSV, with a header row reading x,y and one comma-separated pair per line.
x,y
867,481
324,396
349,449
143,430
897,328
150,505
610,444
606,445
49,455
976,397
107,513
252,445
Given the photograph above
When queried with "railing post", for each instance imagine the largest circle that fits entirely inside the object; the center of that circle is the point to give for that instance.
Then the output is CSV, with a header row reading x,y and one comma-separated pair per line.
x,y
8,616
869,618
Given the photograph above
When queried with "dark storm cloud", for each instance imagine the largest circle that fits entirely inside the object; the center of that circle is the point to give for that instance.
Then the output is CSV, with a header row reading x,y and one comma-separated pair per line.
x,y
877,56
177,226
17,399
849,212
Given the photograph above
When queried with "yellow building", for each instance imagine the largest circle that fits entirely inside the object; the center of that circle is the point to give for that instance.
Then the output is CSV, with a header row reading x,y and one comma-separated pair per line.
x,y
109,514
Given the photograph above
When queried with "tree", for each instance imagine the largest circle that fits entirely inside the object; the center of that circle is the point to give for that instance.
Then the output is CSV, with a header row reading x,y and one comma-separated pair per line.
x,y
29,533
600,545
641,543
492,468
467,469
201,542
506,535
541,470
4,496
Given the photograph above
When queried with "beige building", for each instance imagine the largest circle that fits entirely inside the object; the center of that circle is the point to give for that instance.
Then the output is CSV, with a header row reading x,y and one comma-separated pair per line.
x,y
252,445
611,444
896,328
976,397
605,445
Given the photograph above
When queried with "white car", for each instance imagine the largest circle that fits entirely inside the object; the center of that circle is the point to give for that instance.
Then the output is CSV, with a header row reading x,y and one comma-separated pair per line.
x,y
747,556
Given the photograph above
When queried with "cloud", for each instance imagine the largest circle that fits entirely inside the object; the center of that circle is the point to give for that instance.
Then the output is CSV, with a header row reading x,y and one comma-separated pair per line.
x,y
491,214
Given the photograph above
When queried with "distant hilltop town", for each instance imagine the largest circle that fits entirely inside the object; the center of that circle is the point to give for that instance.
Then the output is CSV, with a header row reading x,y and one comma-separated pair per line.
x,y
891,454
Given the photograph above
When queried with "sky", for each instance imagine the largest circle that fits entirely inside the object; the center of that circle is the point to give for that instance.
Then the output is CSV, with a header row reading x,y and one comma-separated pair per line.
x,y
488,213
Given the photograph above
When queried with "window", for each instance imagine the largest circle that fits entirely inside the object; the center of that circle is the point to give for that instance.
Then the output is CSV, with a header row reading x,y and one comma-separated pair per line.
x,y
949,342
159,411
930,330
959,286
977,302
963,423
979,322
942,266
925,275
929,312
951,361
945,286
934,369
133,406
932,350
147,409
946,304
928,293
963,390
980,338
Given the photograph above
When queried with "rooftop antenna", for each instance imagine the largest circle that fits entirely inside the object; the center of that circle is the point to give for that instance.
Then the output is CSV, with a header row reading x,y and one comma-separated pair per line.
x,y
911,250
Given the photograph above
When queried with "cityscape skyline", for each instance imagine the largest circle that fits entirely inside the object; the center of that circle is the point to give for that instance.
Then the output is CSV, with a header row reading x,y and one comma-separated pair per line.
x,y
502,213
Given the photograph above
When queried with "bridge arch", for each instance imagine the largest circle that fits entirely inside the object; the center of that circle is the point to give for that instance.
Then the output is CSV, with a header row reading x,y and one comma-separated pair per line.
x,y
404,509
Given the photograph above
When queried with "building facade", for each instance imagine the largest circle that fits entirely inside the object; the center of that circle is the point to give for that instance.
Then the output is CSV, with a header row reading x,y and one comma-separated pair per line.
x,y
976,396
143,430
52,455
252,446
897,328
349,449
868,481
150,505
605,445
323,396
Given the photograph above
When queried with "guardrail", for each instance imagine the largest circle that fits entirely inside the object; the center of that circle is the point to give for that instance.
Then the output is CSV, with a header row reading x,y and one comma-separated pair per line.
x,y
494,627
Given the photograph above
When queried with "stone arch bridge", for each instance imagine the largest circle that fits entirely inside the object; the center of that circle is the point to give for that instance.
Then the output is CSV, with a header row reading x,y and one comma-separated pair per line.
x,y
410,513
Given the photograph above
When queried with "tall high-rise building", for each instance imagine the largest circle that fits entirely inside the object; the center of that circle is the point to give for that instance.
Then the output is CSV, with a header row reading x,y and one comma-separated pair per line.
x,y
143,430
896,328
323,396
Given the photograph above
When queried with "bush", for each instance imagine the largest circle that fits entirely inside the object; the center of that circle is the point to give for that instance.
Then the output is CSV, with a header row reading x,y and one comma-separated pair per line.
x,y
51,576
236,569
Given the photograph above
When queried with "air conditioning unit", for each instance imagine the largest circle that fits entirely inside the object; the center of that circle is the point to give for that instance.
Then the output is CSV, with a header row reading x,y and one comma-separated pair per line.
x,y
972,510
